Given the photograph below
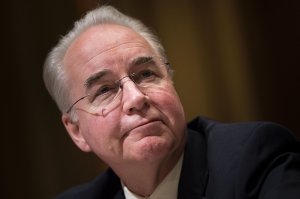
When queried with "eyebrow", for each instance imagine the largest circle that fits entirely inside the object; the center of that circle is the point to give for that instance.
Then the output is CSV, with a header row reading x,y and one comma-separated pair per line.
x,y
93,79
141,60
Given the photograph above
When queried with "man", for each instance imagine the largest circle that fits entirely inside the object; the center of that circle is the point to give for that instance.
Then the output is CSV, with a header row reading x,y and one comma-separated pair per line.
x,y
112,82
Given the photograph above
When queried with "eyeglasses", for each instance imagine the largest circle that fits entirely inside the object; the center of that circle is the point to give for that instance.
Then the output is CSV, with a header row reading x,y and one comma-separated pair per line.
x,y
106,95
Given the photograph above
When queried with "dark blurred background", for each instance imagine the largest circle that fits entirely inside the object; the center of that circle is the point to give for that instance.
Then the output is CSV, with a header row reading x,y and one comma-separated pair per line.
x,y
233,60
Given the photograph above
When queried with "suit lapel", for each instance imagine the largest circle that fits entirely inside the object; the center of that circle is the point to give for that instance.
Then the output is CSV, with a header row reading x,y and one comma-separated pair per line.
x,y
119,195
194,173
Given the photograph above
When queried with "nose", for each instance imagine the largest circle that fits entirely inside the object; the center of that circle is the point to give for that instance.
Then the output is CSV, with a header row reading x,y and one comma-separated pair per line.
x,y
133,98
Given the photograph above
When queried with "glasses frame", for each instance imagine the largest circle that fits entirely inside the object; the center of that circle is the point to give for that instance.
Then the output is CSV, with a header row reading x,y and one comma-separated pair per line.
x,y
118,82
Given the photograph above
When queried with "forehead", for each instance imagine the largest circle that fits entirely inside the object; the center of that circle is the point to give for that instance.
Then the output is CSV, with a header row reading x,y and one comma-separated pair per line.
x,y
103,41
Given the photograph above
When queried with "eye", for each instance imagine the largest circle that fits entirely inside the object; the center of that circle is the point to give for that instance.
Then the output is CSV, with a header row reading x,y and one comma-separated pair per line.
x,y
104,92
144,75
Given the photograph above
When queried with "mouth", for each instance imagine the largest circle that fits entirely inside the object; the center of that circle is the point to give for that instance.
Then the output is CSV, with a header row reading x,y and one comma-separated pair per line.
x,y
146,123
145,128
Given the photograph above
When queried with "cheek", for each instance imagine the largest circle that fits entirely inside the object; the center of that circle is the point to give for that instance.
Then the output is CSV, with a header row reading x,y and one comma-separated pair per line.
x,y
168,102
100,133
168,97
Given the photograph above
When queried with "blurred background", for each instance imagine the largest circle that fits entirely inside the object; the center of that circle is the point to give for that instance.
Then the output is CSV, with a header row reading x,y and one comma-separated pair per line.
x,y
233,60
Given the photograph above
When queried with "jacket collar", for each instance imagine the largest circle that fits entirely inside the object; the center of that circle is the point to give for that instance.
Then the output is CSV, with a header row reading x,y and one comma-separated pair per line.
x,y
194,173
119,194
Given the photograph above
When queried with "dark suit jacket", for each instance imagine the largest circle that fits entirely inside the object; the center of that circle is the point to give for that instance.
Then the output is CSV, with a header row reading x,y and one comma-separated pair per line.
x,y
224,161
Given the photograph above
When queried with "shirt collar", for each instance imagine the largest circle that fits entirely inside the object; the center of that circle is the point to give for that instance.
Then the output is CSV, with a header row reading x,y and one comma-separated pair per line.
x,y
167,189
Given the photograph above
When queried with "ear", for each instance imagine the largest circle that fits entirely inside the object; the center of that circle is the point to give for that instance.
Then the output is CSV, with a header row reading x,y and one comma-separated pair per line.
x,y
75,133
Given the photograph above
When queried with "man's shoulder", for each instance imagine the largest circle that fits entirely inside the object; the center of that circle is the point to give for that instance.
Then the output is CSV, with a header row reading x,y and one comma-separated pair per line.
x,y
240,131
229,143
106,185
246,157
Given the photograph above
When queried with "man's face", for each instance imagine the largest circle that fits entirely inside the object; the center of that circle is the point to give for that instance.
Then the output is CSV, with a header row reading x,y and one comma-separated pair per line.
x,y
145,126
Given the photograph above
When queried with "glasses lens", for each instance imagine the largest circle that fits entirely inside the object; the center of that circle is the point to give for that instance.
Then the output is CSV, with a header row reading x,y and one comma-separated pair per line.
x,y
105,97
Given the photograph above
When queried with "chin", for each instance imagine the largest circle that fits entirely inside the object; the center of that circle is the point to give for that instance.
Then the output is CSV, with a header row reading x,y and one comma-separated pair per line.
x,y
152,149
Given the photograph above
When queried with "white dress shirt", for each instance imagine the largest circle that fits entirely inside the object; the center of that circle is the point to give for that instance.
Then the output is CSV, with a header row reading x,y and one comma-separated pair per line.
x,y
167,189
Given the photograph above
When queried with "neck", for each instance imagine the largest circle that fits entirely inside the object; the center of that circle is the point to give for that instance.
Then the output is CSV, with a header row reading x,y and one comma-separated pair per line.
x,y
143,179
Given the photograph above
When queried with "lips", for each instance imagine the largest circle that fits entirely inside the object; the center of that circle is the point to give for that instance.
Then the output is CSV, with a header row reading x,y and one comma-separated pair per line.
x,y
146,127
145,123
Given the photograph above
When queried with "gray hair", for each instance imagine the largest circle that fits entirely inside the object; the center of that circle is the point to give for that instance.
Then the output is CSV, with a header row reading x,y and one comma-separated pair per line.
x,y
54,75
